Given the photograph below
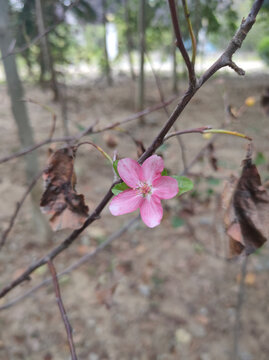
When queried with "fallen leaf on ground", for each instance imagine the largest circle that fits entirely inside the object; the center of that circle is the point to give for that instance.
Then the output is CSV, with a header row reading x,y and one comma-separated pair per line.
x,y
212,157
105,295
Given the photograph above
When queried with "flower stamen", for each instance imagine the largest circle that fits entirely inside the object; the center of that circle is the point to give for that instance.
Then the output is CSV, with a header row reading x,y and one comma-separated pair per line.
x,y
144,189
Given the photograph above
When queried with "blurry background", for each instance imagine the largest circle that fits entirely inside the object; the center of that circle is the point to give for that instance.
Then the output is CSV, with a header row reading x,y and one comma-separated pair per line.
x,y
176,295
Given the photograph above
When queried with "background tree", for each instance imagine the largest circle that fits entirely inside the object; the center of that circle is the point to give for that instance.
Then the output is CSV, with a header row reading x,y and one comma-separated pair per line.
x,y
20,113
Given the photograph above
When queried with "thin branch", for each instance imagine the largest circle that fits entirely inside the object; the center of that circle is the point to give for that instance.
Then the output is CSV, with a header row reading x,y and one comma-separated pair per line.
x,y
180,44
35,40
137,115
62,310
159,87
89,130
199,130
18,207
232,47
74,266
193,40
97,147
29,149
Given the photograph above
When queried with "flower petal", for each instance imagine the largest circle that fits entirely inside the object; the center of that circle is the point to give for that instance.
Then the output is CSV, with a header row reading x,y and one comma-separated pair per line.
x,y
126,202
151,211
152,168
129,171
165,187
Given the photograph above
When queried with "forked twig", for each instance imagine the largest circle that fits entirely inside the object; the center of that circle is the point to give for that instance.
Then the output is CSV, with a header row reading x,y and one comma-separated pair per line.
x,y
180,43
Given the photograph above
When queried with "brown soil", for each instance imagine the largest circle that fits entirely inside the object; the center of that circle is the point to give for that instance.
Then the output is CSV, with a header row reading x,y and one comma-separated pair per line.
x,y
176,294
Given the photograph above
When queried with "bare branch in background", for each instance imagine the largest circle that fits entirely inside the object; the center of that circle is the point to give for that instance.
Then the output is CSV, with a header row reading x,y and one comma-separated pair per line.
x,y
74,266
87,131
180,43
158,84
62,310
199,130
193,40
18,207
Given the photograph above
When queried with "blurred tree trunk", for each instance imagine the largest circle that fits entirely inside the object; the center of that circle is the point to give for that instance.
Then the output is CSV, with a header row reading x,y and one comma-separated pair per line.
x,y
20,112
106,59
47,64
142,49
129,40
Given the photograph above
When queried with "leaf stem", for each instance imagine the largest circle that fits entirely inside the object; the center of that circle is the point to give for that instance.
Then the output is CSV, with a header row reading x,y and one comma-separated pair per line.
x,y
97,148
227,132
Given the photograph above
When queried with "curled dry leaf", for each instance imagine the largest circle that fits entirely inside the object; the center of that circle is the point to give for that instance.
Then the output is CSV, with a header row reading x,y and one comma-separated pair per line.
x,y
60,199
246,204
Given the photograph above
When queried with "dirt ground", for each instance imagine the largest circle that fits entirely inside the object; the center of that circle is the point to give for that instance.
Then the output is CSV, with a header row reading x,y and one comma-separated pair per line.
x,y
176,294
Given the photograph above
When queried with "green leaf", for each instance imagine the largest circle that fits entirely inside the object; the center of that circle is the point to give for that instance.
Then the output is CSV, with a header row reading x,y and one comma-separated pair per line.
x,y
164,172
184,184
119,188
260,159
115,167
177,222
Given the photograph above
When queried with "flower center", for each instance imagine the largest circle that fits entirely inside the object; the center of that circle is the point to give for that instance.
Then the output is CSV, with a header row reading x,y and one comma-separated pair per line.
x,y
145,189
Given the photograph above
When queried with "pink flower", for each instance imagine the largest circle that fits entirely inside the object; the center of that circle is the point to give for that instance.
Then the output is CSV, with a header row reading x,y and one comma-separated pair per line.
x,y
148,187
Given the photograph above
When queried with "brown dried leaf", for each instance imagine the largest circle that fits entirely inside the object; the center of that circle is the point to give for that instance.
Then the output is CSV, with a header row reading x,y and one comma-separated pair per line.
x,y
232,112
246,219
227,200
60,200
212,157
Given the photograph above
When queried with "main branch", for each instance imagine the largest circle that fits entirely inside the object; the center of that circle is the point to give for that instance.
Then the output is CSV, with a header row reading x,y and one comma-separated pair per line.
x,y
224,60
